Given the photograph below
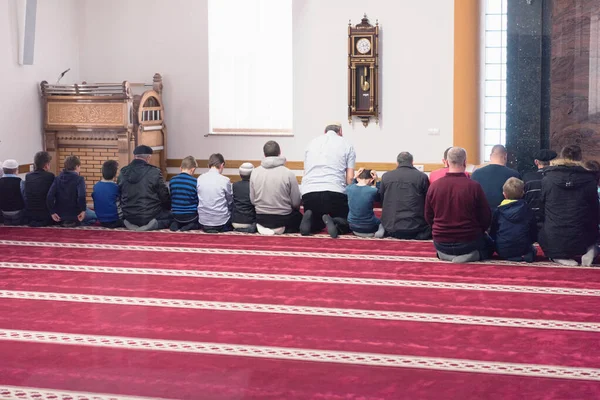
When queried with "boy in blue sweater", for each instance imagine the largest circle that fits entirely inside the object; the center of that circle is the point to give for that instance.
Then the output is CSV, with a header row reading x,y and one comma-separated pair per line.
x,y
107,197
361,196
514,227
66,197
184,197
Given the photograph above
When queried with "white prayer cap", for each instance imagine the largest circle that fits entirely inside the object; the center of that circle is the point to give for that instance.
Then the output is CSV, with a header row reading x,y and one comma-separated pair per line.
x,y
246,169
10,164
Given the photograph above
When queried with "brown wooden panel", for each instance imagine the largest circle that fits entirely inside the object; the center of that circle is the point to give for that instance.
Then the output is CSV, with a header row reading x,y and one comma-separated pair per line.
x,y
86,114
25,168
299,165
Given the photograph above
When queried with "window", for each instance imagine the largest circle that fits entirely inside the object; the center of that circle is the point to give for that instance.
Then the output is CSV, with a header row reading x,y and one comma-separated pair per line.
x,y
250,67
494,106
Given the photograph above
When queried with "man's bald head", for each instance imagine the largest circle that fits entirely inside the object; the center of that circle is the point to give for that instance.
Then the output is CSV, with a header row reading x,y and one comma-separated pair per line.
x,y
499,155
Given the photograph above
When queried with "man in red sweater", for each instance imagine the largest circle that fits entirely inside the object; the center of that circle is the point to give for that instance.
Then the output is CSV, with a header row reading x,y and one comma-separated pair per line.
x,y
457,210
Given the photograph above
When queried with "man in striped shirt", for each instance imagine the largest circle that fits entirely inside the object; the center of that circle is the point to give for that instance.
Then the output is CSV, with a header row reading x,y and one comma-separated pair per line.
x,y
184,197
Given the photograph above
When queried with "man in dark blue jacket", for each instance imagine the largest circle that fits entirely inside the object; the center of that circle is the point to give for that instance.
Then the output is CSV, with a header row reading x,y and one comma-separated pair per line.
x,y
514,226
66,197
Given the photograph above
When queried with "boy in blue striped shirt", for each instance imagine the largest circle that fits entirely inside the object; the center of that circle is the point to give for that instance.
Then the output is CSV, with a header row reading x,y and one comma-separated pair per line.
x,y
184,197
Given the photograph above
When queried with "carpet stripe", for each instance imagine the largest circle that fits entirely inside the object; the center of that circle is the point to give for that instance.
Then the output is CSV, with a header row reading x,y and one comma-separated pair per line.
x,y
202,233
267,253
284,353
29,393
303,310
307,279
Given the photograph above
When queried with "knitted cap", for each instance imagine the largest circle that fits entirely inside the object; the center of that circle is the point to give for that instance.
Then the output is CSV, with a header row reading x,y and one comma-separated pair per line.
x,y
246,169
545,155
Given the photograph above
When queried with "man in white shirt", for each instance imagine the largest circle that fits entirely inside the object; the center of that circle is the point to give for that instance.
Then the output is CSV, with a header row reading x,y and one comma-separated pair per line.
x,y
215,197
328,168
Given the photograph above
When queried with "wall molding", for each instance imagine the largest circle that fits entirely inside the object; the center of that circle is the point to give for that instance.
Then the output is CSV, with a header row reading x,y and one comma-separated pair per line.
x,y
299,165
294,166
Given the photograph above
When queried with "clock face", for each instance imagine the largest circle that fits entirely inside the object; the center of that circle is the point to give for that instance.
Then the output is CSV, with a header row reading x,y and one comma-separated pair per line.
x,y
363,46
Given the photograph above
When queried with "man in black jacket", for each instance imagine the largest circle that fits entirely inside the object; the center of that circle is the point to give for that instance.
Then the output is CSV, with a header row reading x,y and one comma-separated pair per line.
x,y
145,198
403,193
533,183
243,216
570,203
37,185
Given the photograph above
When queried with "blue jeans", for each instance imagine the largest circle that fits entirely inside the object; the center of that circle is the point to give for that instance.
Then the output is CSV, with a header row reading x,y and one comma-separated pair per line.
x,y
90,218
484,245
366,228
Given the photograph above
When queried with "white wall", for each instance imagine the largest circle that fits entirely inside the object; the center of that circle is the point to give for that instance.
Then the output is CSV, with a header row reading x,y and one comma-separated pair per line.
x,y
133,39
56,49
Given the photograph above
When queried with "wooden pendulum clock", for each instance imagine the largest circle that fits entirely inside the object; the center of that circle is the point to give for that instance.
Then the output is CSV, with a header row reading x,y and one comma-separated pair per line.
x,y
363,71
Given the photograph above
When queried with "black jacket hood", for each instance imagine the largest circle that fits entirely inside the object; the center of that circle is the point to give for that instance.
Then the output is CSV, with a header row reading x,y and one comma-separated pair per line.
x,y
568,174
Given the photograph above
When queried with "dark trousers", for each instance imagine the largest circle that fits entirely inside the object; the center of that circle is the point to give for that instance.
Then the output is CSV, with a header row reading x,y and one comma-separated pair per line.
x,y
484,245
112,225
327,203
185,222
38,222
424,234
291,221
164,219
217,229
13,218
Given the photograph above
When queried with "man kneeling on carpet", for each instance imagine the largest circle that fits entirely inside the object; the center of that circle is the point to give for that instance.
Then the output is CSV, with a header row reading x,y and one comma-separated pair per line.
x,y
514,227
458,211
145,198
275,193
361,197
184,197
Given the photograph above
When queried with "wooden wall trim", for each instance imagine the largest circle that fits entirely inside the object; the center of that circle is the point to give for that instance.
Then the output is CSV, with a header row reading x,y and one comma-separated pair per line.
x,y
299,165
25,168
467,50
232,177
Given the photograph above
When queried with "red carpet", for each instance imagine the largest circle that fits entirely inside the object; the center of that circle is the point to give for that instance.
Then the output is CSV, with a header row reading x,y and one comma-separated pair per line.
x,y
98,314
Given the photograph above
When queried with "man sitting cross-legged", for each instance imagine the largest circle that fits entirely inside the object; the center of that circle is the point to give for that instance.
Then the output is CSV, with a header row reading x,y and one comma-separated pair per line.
x,y
275,193
184,197
215,197
145,199
570,203
403,192
243,215
457,210
37,185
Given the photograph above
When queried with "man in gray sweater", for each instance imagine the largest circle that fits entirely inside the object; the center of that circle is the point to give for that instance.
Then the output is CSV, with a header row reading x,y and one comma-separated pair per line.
x,y
275,193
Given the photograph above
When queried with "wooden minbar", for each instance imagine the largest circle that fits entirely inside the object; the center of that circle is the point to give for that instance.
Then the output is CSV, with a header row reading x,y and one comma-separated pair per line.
x,y
103,121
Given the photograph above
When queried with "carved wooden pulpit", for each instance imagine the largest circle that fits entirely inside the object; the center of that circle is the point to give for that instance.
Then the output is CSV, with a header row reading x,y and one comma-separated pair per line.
x,y
103,121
